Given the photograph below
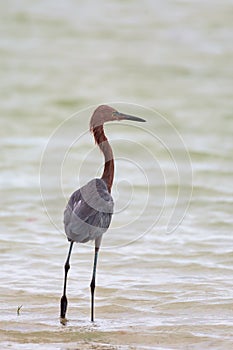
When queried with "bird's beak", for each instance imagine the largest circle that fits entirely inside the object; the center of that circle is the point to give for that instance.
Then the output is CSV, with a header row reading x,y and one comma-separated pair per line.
x,y
122,116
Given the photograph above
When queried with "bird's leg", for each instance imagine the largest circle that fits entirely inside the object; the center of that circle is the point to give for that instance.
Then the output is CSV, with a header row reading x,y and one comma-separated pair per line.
x,y
64,301
92,285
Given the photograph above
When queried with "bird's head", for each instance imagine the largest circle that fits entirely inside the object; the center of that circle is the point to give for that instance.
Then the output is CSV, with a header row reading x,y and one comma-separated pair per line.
x,y
105,113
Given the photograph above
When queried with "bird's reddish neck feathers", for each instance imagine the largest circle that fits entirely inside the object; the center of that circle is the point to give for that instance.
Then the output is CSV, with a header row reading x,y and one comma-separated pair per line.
x,y
102,141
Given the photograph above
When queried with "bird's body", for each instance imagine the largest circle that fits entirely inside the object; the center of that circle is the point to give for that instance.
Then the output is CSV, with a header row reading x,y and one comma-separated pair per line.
x,y
89,210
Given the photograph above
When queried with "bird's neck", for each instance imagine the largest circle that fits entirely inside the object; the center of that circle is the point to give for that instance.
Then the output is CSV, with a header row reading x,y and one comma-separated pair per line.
x,y
102,141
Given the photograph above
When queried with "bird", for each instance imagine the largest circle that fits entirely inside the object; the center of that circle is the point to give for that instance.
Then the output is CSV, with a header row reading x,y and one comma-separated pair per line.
x,y
89,210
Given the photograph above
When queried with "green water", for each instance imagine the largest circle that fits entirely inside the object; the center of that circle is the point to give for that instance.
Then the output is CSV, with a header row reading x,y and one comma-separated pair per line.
x,y
164,278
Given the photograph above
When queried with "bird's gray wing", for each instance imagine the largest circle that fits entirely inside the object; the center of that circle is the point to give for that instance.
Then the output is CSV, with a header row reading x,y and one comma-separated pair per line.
x,y
88,212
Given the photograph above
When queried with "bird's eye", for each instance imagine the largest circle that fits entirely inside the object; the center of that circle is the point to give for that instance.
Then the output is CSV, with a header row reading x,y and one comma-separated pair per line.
x,y
115,114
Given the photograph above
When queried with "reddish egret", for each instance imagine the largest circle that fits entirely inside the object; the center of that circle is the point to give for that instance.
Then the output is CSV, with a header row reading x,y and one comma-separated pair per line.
x,y
89,210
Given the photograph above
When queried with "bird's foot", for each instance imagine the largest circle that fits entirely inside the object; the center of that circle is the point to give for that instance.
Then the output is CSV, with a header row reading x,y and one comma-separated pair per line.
x,y
63,306
63,321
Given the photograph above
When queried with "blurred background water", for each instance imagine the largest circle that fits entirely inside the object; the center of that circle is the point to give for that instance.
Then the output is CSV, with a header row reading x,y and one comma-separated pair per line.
x,y
155,290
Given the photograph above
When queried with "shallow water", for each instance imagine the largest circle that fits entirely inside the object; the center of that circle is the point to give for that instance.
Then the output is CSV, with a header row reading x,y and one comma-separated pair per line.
x,y
164,278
